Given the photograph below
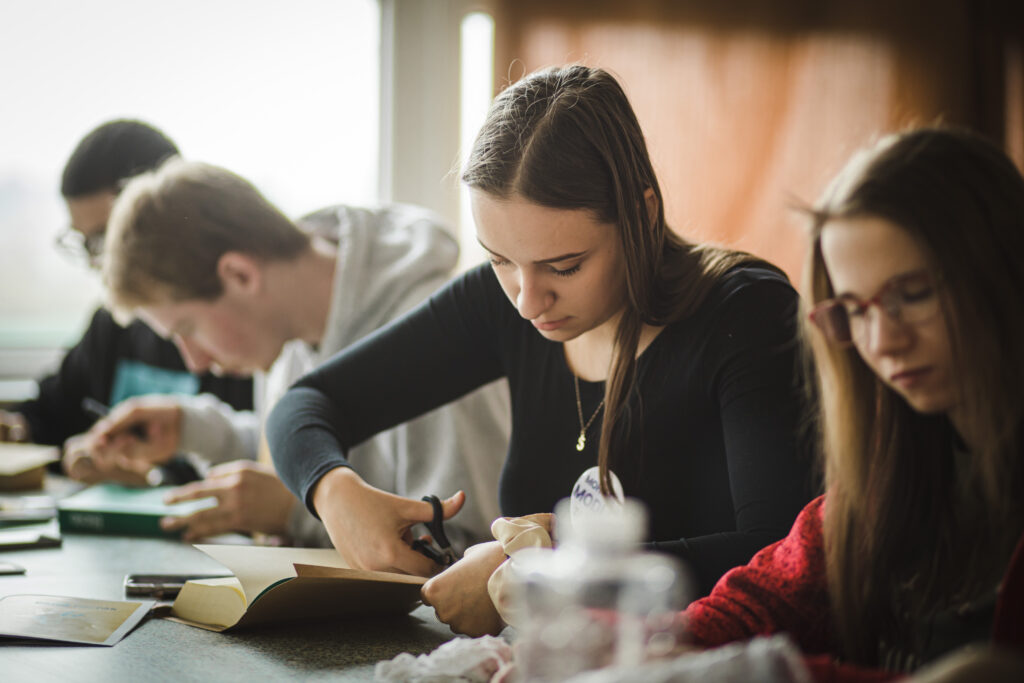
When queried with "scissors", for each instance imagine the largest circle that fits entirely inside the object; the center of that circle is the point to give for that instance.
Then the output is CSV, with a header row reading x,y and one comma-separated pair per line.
x,y
440,548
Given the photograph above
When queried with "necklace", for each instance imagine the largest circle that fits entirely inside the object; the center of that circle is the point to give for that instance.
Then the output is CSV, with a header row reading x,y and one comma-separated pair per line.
x,y
581,442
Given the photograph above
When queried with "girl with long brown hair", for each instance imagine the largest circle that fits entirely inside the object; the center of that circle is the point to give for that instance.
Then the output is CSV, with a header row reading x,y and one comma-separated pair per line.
x,y
637,361
916,323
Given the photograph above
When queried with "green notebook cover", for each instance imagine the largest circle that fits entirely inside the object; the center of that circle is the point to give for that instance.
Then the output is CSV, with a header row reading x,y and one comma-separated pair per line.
x,y
116,509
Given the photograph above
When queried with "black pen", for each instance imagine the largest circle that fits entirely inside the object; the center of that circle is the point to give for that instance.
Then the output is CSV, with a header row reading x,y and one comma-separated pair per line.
x,y
99,411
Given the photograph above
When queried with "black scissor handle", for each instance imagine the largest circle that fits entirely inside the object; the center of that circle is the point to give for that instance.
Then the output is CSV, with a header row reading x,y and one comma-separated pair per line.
x,y
436,525
440,550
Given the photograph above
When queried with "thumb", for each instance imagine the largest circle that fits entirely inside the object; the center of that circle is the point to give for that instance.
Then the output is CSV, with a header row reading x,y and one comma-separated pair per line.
x,y
454,504
422,511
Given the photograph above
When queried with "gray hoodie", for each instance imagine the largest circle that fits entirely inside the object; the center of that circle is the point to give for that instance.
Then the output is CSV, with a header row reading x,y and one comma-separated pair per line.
x,y
390,259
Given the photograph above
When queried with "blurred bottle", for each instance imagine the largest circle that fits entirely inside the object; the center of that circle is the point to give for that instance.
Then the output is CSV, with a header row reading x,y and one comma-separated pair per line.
x,y
596,600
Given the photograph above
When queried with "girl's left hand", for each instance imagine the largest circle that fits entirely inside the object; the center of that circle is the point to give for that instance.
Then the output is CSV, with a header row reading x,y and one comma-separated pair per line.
x,y
459,594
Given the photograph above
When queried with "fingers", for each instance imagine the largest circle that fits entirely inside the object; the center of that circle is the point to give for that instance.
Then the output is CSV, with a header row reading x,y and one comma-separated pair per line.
x,y
80,467
13,427
81,464
195,491
408,561
243,468
147,428
201,524
121,420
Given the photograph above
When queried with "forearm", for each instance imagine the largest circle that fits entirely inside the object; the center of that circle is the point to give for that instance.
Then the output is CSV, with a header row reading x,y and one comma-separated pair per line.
x,y
424,360
216,432
303,442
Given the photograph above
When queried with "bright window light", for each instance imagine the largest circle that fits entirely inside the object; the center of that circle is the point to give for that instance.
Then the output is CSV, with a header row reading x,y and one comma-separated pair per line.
x,y
285,94
477,90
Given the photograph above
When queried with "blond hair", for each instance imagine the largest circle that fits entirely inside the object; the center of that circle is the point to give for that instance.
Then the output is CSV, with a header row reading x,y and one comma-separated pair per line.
x,y
169,228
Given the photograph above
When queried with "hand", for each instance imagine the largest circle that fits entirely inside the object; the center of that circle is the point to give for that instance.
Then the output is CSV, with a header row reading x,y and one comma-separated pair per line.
x,y
250,498
370,528
81,464
13,427
459,594
159,418
545,519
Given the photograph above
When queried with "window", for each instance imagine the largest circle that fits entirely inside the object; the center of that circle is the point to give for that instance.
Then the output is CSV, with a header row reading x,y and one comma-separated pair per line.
x,y
285,94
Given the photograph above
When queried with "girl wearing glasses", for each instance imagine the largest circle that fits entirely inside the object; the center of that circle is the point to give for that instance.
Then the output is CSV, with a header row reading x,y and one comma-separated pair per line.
x,y
917,330
635,359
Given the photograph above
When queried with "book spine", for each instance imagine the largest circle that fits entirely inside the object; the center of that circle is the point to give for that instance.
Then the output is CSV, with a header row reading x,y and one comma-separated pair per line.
x,y
94,522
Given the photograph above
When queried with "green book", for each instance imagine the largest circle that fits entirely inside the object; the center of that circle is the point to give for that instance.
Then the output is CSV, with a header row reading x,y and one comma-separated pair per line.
x,y
116,509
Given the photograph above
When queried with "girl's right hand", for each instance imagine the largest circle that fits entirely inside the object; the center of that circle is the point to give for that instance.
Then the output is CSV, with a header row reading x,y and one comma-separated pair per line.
x,y
371,528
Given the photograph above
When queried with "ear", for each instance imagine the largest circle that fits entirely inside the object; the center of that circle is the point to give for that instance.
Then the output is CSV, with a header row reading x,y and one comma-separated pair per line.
x,y
239,272
651,200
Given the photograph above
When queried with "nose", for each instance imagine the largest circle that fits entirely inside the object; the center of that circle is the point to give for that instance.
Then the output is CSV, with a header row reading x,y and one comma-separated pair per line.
x,y
886,334
196,360
533,298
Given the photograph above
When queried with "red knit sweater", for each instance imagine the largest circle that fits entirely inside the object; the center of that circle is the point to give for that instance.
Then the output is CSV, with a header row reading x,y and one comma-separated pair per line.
x,y
783,589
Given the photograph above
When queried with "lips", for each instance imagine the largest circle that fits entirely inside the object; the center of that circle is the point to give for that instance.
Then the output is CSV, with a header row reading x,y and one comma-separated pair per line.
x,y
910,378
549,326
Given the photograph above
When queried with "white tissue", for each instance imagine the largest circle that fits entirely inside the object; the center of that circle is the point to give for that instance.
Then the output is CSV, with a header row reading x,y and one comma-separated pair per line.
x,y
474,660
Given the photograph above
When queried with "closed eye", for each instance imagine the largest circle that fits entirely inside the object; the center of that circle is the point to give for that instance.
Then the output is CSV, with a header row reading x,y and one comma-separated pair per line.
x,y
567,271
917,295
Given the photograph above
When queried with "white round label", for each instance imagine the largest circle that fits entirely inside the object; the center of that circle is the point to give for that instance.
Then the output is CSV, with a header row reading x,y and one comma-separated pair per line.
x,y
586,493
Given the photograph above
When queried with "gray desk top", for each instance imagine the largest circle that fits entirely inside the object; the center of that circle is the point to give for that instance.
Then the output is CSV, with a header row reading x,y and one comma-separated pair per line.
x,y
159,650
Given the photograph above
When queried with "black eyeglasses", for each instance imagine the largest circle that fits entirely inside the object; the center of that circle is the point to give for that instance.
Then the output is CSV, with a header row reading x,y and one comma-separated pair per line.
x,y
910,299
83,247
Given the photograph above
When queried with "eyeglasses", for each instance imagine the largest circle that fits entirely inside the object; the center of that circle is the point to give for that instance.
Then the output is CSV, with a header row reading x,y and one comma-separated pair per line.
x,y
86,247
910,299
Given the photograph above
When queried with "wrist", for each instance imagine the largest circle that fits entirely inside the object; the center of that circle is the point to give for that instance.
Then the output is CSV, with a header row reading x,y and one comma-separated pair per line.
x,y
333,485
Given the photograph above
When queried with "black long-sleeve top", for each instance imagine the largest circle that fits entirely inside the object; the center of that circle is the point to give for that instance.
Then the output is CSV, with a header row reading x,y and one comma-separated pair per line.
x,y
716,456
112,362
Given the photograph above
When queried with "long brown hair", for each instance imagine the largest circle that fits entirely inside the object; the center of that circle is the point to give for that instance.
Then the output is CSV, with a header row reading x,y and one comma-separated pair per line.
x,y
567,138
894,487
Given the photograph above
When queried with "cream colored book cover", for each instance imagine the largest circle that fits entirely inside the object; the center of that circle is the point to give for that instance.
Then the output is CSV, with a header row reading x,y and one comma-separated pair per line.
x,y
283,584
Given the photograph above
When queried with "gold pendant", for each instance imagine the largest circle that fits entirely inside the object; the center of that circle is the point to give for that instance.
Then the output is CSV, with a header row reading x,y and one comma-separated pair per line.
x,y
581,442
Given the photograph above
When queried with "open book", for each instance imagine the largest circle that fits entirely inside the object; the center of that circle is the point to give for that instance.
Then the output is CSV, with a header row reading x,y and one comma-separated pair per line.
x,y
22,465
280,584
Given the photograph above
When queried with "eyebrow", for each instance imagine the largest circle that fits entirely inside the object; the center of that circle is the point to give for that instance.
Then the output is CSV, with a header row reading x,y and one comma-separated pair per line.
x,y
554,259
919,272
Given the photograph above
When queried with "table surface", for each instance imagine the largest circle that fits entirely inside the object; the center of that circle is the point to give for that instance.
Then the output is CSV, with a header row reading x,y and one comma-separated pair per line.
x,y
91,566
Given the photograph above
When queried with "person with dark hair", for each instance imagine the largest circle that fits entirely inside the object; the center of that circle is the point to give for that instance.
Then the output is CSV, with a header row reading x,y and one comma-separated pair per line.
x,y
110,363
112,153
916,324
639,363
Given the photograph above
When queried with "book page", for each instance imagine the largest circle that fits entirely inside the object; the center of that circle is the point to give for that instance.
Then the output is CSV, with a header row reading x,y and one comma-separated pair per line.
x,y
18,457
217,603
258,567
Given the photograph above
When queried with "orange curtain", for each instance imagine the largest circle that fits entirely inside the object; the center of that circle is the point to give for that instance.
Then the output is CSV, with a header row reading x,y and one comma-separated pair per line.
x,y
749,107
